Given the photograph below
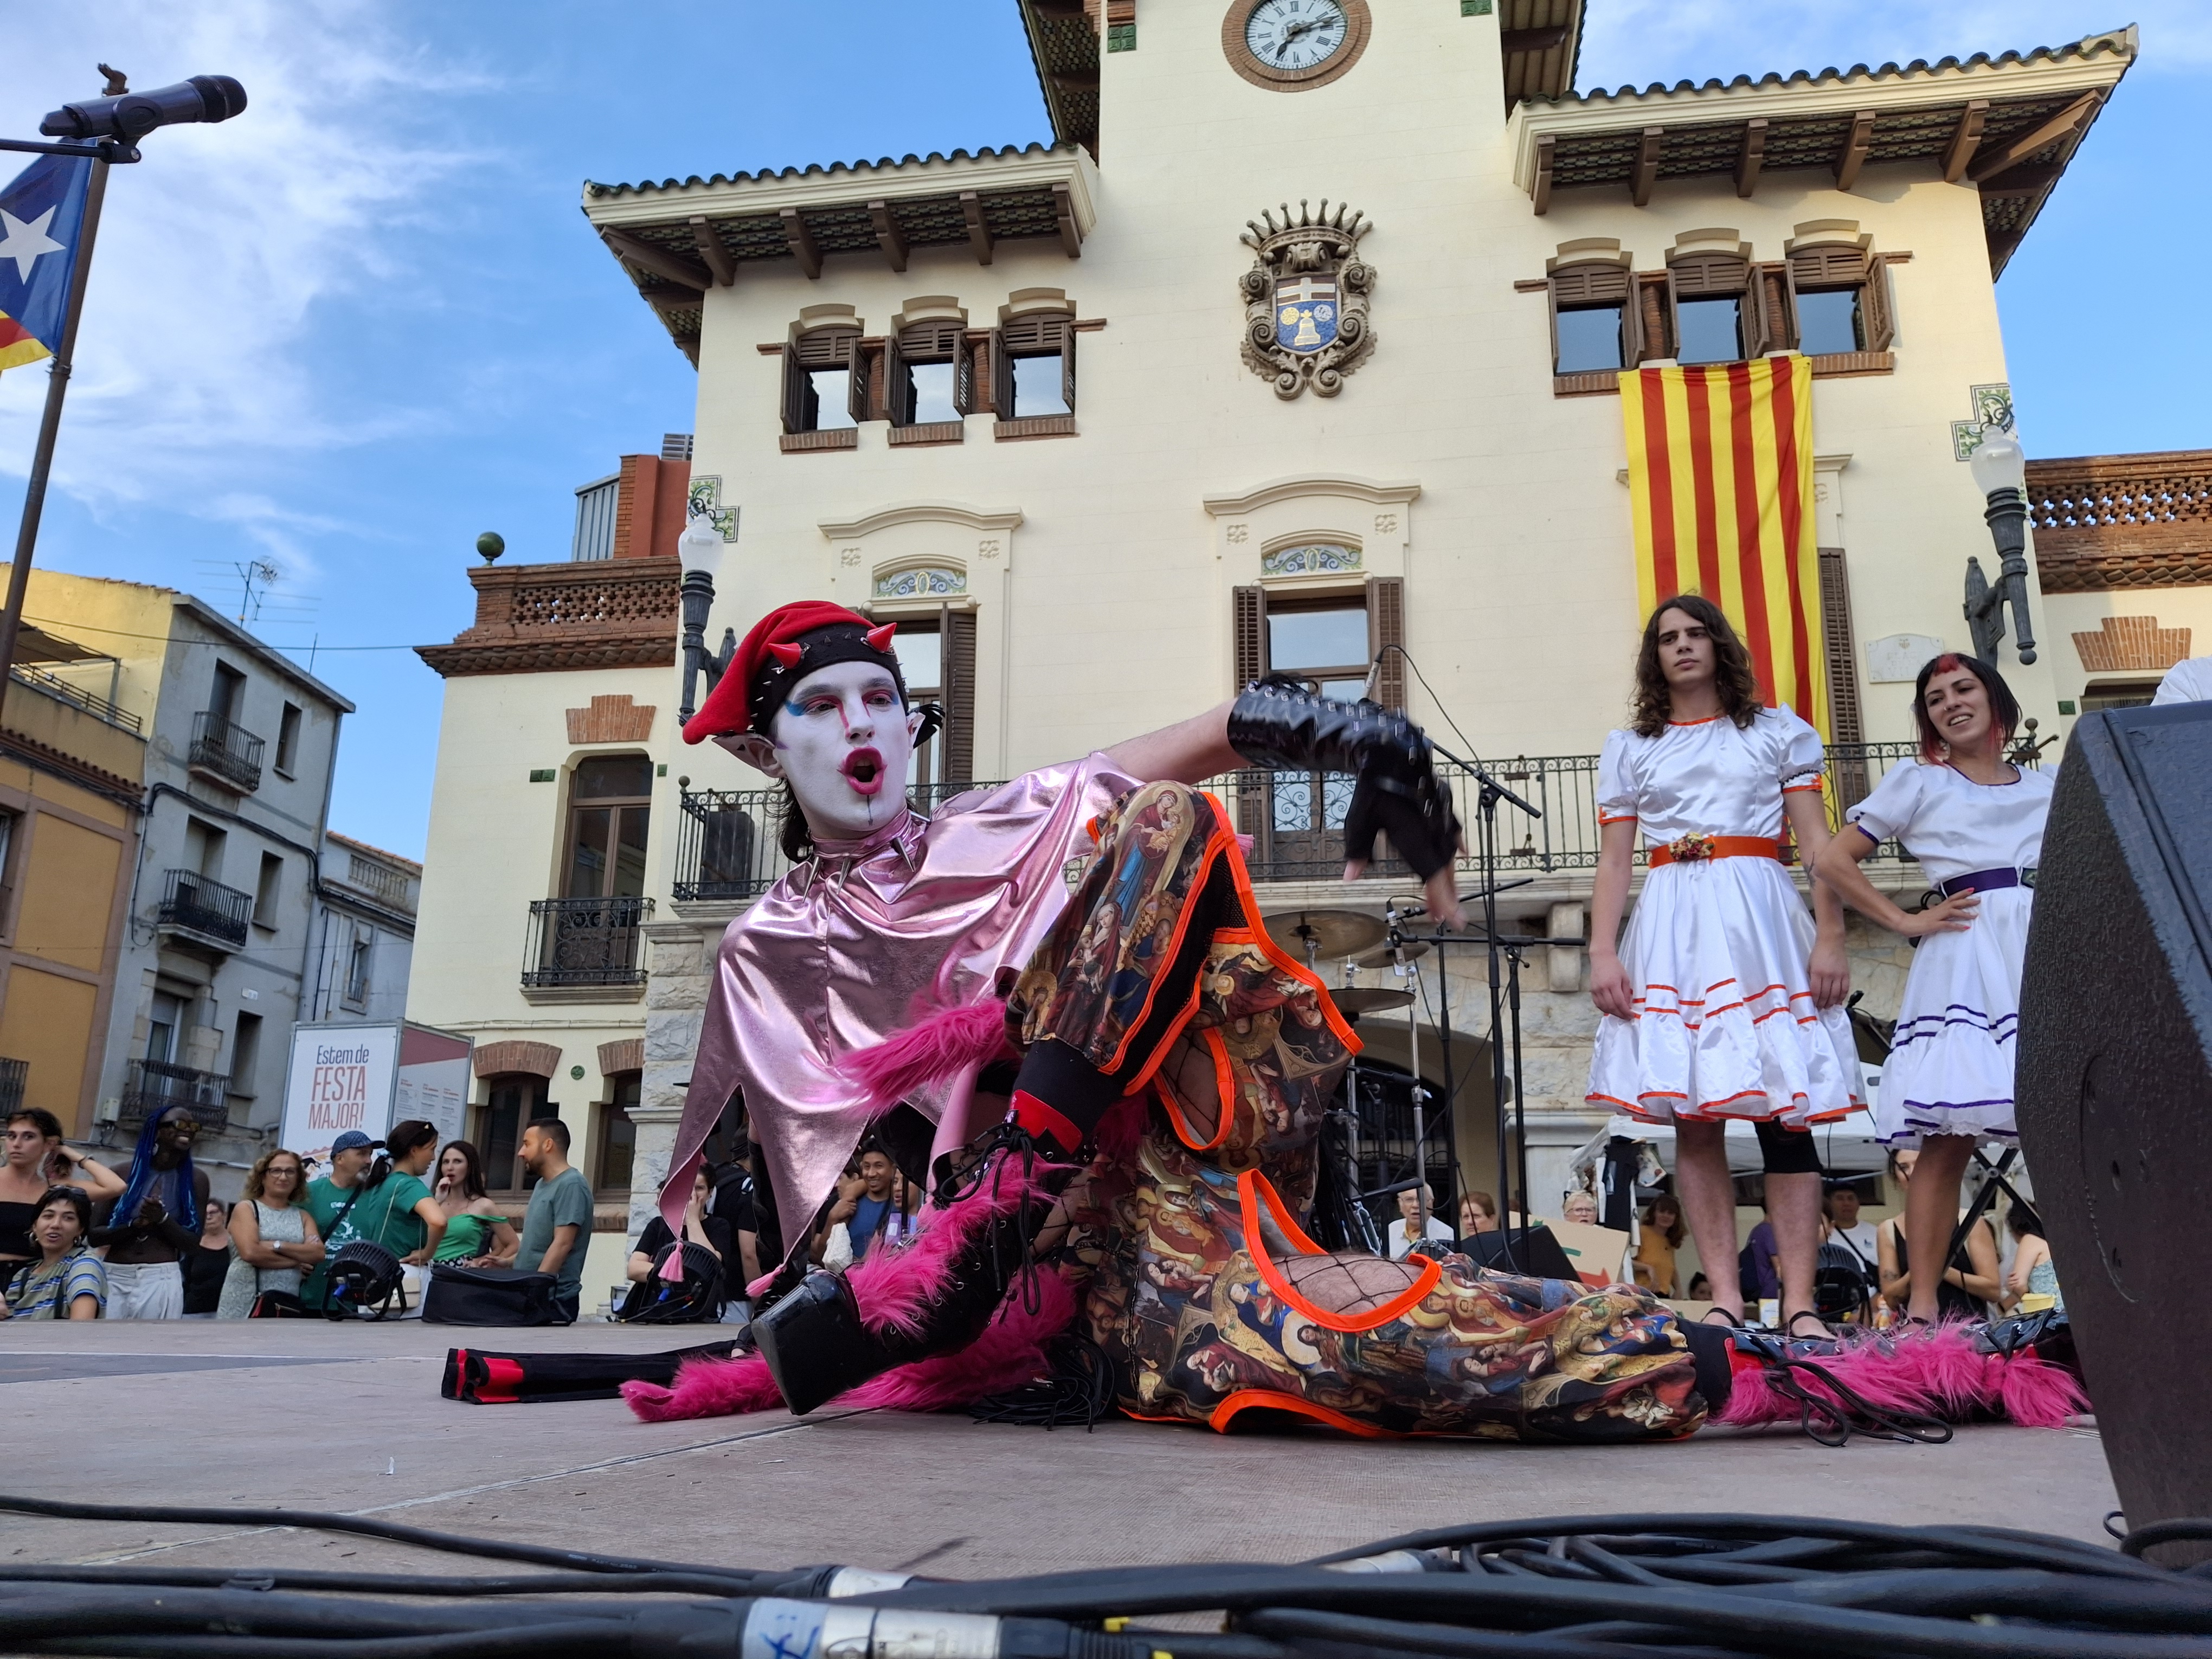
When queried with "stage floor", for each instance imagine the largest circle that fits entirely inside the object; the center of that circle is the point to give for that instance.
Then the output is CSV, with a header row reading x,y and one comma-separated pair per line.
x,y
347,1418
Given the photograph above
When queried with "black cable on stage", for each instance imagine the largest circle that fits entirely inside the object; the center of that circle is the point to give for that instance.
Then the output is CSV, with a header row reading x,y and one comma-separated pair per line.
x,y
391,1583
326,1520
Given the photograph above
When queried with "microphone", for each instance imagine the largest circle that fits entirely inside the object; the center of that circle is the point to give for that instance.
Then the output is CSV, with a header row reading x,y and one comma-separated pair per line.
x,y
1374,673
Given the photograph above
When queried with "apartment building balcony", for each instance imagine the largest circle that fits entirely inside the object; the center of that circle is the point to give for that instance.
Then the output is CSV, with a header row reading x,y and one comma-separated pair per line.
x,y
203,911
225,753
728,841
151,1085
584,950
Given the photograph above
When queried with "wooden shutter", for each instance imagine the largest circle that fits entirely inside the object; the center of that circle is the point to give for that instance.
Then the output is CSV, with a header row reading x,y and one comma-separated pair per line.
x,y
1711,277
1386,638
856,388
1878,307
956,639
1067,366
1770,323
798,388
964,378
1846,723
1251,635
1002,376
898,384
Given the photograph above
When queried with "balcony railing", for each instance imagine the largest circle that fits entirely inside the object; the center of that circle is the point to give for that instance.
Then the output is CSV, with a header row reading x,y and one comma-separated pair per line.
x,y
76,696
150,1085
585,941
727,841
225,752
14,1074
193,904
381,881
2104,522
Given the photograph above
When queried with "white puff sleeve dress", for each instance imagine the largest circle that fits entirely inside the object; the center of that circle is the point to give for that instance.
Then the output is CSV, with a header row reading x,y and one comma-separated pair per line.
x,y
1717,950
1950,1068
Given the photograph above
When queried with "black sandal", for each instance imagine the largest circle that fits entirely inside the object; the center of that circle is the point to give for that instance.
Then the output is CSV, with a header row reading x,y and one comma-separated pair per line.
x,y
1733,1322
1788,1321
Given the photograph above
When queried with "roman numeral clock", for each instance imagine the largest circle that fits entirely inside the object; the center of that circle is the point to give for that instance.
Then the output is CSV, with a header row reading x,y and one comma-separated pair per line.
x,y
1293,46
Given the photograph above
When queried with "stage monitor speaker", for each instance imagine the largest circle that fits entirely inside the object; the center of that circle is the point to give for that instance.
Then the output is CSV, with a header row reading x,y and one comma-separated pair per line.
x,y
2114,1079
1533,1250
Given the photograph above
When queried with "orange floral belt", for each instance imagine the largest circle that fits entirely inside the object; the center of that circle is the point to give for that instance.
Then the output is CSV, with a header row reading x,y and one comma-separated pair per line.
x,y
1697,849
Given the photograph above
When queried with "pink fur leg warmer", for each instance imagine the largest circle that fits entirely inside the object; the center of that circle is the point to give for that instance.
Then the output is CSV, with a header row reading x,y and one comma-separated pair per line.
x,y
1937,1372
894,1288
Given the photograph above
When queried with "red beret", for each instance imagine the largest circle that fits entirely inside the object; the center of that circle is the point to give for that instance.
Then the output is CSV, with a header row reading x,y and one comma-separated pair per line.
x,y
731,705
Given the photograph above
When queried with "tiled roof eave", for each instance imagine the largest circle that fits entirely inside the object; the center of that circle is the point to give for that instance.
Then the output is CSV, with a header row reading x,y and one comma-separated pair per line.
x,y
769,190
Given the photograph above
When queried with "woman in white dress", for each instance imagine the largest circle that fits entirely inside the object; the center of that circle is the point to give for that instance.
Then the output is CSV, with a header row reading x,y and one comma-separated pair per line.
x,y
1974,821
1724,999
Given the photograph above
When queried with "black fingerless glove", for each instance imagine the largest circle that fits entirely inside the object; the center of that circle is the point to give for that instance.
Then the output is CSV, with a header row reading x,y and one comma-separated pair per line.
x,y
1279,724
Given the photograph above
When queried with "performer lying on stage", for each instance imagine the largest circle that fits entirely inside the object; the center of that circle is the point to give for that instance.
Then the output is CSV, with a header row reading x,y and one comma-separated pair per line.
x,y
1123,1086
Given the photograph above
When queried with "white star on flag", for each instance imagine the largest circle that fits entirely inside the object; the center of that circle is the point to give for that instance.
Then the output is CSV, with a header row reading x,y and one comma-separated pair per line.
x,y
26,242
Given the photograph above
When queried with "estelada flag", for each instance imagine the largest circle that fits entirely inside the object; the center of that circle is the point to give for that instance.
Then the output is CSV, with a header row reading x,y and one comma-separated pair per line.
x,y
1720,485
41,216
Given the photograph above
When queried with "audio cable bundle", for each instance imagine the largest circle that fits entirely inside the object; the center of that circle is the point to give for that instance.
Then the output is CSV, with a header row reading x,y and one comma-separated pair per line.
x,y
1589,1586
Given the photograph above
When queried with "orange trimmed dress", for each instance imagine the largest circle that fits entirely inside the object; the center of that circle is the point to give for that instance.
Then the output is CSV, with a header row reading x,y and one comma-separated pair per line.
x,y
1718,946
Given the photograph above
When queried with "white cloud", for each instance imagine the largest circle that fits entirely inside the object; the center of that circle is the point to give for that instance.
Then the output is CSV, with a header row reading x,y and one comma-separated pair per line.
x,y
192,366
1636,42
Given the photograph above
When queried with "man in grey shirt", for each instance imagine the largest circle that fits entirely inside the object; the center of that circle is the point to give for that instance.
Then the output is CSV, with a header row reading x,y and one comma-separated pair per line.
x,y
557,1227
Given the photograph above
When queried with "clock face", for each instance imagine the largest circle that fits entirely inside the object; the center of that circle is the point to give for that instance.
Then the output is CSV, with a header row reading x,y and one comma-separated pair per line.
x,y
1295,34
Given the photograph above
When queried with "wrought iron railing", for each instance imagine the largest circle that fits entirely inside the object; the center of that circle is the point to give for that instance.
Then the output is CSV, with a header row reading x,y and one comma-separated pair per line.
x,y
585,941
226,750
150,1085
14,1075
728,841
76,696
192,901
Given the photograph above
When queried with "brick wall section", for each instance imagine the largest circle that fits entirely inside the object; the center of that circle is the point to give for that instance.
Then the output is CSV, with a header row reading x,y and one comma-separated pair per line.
x,y
649,506
2119,644
535,1059
611,719
628,1054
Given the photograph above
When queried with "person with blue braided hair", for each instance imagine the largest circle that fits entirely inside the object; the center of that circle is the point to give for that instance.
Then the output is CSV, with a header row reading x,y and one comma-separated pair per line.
x,y
157,1220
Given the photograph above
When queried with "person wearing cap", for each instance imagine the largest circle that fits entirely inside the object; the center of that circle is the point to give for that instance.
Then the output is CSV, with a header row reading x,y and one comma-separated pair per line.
x,y
1125,1080
351,1154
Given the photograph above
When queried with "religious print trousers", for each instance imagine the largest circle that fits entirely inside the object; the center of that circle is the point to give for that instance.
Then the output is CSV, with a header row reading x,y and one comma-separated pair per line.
x,y
1187,1227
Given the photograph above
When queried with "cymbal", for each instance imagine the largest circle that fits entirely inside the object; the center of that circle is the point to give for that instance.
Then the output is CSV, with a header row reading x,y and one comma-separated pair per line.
x,y
1373,1000
1331,934
1411,951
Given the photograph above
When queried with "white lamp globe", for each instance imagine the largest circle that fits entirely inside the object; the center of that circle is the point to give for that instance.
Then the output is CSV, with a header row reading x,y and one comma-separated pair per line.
x,y
1998,463
700,547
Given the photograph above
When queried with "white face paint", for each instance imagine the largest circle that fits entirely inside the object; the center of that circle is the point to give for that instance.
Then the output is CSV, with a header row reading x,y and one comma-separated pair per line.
x,y
843,739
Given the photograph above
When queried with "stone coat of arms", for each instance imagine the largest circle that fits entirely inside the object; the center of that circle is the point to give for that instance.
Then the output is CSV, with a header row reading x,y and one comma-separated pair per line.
x,y
1306,298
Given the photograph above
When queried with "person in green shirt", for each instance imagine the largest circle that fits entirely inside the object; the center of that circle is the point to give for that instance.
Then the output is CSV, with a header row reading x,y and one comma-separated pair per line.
x,y
557,1229
476,1231
395,1208
351,1154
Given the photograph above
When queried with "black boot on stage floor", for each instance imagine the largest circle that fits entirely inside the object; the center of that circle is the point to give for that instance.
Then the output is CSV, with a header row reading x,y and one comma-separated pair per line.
x,y
935,1296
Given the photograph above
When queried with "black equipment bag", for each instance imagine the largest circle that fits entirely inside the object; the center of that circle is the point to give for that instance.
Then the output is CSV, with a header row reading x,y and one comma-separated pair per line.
x,y
696,1299
488,1296
506,1379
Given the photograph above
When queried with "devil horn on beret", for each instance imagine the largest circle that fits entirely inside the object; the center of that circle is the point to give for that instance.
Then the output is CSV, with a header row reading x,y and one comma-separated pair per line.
x,y
879,639
788,655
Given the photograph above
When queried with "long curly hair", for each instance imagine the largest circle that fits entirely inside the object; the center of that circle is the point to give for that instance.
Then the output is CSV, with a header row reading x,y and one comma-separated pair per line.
x,y
1733,679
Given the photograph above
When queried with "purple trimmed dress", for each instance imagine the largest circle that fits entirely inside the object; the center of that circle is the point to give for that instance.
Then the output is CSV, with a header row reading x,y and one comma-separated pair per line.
x,y
1950,1069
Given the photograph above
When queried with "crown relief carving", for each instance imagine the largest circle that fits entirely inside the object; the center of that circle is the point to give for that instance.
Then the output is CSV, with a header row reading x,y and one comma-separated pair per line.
x,y
1306,298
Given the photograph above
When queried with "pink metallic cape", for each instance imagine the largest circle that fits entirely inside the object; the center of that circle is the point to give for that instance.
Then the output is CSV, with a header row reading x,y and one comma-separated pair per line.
x,y
858,943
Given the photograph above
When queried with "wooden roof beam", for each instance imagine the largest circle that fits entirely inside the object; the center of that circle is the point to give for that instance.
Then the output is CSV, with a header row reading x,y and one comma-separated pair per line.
x,y
2026,180
1856,145
1966,140
1752,156
804,248
1063,210
979,234
657,260
711,250
1540,192
1648,150
2068,120
888,236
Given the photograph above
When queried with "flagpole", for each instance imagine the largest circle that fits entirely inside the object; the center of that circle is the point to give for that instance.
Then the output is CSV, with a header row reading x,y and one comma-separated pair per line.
x,y
42,459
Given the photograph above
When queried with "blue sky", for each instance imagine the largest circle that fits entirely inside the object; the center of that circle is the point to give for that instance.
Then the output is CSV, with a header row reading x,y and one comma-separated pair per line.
x,y
364,321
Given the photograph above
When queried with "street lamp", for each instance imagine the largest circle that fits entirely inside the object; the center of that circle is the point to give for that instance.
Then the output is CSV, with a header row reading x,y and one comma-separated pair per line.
x,y
2000,471
700,547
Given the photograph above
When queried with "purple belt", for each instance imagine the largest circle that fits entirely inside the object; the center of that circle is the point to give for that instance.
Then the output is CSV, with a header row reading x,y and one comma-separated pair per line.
x,y
1982,881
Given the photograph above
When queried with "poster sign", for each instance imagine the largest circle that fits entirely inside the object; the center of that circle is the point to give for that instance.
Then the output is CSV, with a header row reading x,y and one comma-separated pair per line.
x,y
368,1077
